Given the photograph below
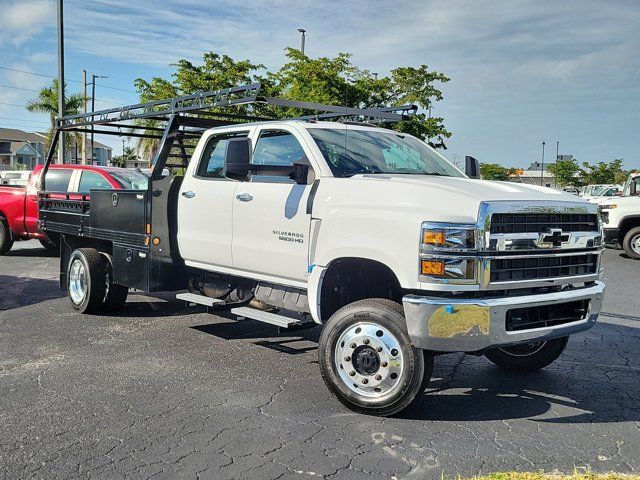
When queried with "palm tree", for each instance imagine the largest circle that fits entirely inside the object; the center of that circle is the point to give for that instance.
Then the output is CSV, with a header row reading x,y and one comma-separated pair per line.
x,y
47,102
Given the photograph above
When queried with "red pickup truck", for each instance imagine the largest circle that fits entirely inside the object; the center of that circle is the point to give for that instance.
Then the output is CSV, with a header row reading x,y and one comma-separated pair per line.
x,y
19,205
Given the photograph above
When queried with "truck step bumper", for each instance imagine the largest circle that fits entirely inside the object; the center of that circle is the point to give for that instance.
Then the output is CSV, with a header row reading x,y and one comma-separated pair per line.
x,y
473,324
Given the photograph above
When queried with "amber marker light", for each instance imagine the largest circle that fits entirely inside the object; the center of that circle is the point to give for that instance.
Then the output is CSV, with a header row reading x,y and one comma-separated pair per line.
x,y
432,267
156,241
433,237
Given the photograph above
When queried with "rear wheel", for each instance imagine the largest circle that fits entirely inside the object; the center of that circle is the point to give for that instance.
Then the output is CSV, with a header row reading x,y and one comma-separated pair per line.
x,y
528,357
367,360
6,242
86,280
631,243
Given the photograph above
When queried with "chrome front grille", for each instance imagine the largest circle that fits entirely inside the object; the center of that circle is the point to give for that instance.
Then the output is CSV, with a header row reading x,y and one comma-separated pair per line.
x,y
552,243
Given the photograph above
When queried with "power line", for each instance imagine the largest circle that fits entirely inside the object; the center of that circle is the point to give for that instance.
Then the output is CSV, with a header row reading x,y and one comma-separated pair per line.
x,y
23,120
19,88
13,104
68,80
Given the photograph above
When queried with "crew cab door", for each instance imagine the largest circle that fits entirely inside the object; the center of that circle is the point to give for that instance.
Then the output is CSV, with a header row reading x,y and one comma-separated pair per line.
x,y
205,207
270,221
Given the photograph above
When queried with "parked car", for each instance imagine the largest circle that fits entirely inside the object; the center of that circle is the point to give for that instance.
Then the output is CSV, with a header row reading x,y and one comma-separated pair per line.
x,y
15,177
19,205
621,218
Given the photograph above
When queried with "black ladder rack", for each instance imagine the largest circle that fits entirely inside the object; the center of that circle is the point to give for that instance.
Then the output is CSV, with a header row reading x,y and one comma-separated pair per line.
x,y
179,122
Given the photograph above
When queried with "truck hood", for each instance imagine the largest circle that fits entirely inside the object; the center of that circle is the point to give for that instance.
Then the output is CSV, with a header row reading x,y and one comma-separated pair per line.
x,y
436,198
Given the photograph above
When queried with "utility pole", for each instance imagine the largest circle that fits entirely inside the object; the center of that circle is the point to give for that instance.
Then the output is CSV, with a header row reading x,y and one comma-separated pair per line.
x,y
557,151
60,77
302,31
84,108
93,107
542,171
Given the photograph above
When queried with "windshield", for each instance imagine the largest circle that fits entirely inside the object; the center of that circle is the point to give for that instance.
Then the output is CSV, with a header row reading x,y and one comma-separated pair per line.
x,y
131,180
350,152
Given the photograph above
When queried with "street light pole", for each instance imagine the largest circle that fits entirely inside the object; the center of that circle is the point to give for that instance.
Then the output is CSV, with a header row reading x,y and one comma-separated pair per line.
x,y
61,105
302,31
93,106
542,171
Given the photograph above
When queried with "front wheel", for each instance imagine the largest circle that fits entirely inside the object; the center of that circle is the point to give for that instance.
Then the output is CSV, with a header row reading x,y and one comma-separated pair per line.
x,y
367,360
631,243
528,357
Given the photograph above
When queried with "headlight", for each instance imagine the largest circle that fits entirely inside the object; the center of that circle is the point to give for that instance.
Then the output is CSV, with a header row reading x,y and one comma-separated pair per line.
x,y
446,237
443,249
608,207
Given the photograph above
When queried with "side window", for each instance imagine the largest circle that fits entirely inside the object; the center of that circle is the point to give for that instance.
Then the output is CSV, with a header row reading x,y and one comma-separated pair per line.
x,y
91,180
57,180
212,161
277,147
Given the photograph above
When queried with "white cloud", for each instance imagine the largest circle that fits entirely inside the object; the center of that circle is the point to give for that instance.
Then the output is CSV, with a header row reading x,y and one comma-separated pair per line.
x,y
22,20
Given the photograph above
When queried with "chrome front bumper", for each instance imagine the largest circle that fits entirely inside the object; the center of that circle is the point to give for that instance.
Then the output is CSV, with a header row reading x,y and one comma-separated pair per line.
x,y
468,325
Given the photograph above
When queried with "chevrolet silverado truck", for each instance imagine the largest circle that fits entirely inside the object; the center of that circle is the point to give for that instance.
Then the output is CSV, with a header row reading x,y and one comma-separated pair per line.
x,y
331,219
621,218
19,205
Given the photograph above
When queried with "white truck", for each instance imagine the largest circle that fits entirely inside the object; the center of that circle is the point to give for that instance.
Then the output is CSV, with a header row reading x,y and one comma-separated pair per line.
x,y
369,232
621,218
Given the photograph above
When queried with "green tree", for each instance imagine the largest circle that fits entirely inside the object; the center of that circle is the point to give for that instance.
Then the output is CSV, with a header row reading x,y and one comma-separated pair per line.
x,y
603,172
493,171
567,172
128,155
322,80
47,102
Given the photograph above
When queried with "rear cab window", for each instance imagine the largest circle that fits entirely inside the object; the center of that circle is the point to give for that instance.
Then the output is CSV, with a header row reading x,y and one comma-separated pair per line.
x,y
57,180
212,160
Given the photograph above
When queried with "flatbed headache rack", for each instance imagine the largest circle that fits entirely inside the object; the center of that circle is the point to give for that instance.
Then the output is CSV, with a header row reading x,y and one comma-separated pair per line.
x,y
179,122
126,223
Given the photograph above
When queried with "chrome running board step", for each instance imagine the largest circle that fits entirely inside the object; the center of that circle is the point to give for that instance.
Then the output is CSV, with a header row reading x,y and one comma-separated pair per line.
x,y
199,299
278,320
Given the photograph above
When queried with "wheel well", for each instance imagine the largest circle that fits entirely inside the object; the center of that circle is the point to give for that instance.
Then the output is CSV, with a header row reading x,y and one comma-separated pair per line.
x,y
349,279
627,224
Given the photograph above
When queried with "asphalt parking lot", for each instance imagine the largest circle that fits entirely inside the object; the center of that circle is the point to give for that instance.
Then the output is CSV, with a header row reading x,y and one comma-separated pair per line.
x,y
165,392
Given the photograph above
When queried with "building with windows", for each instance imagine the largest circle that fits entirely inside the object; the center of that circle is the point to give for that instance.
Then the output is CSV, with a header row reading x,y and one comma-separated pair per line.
x,y
20,150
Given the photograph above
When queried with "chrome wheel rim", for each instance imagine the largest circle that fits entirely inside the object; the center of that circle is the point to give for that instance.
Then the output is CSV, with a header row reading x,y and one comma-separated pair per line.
x,y
369,360
524,350
635,244
77,282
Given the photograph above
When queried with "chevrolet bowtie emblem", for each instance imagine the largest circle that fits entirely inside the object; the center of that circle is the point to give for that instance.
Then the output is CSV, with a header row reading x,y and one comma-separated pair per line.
x,y
553,237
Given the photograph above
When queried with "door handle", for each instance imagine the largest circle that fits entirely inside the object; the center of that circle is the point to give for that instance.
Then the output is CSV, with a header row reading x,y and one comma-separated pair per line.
x,y
189,194
244,197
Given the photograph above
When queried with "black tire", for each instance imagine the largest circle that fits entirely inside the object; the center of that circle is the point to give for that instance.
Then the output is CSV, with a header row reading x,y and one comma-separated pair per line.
x,y
528,357
115,295
389,317
6,242
88,293
631,243
48,244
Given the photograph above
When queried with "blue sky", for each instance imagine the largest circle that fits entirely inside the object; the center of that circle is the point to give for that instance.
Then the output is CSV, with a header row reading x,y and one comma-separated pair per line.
x,y
522,71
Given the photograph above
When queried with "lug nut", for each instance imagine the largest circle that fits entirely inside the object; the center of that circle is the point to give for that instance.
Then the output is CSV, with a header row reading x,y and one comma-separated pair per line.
x,y
352,373
385,364
353,345
365,381
347,358
379,349
378,377
394,352
365,341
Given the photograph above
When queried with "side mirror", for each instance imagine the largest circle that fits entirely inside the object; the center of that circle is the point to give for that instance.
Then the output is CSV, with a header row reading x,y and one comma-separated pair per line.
x,y
471,167
237,159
